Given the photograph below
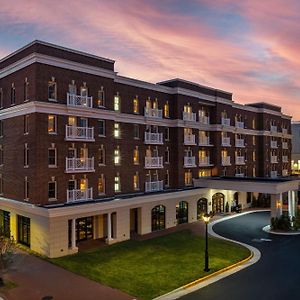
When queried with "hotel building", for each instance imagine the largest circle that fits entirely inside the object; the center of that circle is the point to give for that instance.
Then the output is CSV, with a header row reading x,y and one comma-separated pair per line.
x,y
88,154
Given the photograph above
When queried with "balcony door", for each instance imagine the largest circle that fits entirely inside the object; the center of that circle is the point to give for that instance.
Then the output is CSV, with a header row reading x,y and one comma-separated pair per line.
x,y
84,153
83,122
83,184
72,121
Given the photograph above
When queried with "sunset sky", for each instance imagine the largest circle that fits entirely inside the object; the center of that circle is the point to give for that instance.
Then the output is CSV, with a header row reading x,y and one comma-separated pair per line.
x,y
249,47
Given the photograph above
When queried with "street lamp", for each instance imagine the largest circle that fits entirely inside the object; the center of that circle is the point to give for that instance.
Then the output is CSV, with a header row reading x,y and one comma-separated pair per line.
x,y
206,217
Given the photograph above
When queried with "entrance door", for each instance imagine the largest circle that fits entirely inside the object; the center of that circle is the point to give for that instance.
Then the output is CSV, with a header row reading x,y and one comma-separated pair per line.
x,y
218,203
84,229
201,207
134,220
24,230
182,212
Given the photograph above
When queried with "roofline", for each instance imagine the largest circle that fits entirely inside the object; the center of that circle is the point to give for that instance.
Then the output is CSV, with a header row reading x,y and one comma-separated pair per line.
x,y
57,47
263,102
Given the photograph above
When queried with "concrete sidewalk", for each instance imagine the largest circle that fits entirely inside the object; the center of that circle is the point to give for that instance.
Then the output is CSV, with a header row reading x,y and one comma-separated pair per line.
x,y
37,279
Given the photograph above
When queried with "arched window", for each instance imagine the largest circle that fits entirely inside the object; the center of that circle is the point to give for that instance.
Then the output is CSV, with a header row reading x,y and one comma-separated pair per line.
x,y
158,218
218,200
182,212
201,207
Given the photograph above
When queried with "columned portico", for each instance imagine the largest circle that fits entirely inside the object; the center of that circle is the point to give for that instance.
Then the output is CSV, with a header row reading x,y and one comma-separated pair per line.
x,y
73,235
109,235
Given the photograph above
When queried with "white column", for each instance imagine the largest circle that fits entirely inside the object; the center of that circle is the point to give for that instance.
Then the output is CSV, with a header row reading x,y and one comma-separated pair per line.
x,y
73,233
109,227
276,205
293,203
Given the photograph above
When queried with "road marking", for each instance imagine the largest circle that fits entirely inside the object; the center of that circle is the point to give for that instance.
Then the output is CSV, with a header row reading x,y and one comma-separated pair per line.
x,y
266,240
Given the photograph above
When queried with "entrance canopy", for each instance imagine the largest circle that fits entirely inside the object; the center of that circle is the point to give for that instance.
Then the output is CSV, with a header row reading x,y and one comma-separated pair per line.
x,y
244,184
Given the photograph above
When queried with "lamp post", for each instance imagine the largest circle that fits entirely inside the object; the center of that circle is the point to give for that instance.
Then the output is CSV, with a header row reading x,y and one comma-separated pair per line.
x,y
206,217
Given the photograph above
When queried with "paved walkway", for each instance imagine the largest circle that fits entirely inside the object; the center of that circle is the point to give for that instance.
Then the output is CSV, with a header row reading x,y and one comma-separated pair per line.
x,y
37,278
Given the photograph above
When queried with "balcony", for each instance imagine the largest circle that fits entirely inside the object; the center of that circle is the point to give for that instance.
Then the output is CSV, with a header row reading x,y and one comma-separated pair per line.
x,y
74,133
204,141
189,116
285,159
273,128
239,124
240,143
239,175
285,172
79,195
226,161
285,145
189,161
153,162
154,186
225,121
204,120
204,161
240,160
153,113
79,101
284,131
273,174
274,145
153,138
189,139
274,159
78,165
226,141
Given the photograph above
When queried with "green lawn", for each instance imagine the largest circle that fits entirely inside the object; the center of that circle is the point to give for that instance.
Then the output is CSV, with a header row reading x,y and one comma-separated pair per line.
x,y
147,269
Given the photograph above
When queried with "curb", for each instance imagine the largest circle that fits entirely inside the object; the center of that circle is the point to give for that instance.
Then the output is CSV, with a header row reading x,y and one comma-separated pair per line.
x,y
268,230
220,274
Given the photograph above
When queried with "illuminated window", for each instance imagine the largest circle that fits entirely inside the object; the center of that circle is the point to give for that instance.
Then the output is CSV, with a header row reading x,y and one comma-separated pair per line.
x,y
136,182
101,155
136,158
136,105
26,90
253,124
254,155
52,90
204,173
166,110
117,157
26,124
117,130
26,188
13,94
188,178
101,185
52,190
101,97
51,124
254,172
117,103
26,155
117,183
155,104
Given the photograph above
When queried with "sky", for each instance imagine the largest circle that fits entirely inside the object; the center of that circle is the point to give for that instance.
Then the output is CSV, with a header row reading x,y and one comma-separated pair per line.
x,y
250,48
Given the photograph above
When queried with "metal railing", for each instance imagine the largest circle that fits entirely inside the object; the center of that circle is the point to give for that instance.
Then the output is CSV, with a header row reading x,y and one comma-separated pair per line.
x,y
189,161
189,116
153,113
153,138
79,133
152,162
80,164
79,195
78,100
154,186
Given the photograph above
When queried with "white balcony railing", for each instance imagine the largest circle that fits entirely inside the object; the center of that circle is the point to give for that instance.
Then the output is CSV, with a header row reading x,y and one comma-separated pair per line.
x,y
239,175
153,162
285,172
225,121
75,133
189,139
226,161
239,124
153,138
285,145
154,186
240,160
273,128
79,195
189,116
274,159
225,141
204,161
204,120
273,174
284,131
239,142
81,101
189,161
76,165
153,113
274,145
285,159
204,141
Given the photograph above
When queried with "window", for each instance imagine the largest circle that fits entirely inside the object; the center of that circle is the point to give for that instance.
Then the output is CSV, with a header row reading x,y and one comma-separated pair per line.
x,y
52,90
136,105
1,184
117,103
204,173
5,223
13,94
84,91
26,89
167,156
26,189
136,181
72,88
136,159
101,97
117,157
1,155
1,128
254,156
52,157
52,190
188,178
117,184
26,124
26,155
166,110
51,124
136,131
1,98
253,124
117,130
101,127
101,155
167,133
23,230
101,185
167,179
